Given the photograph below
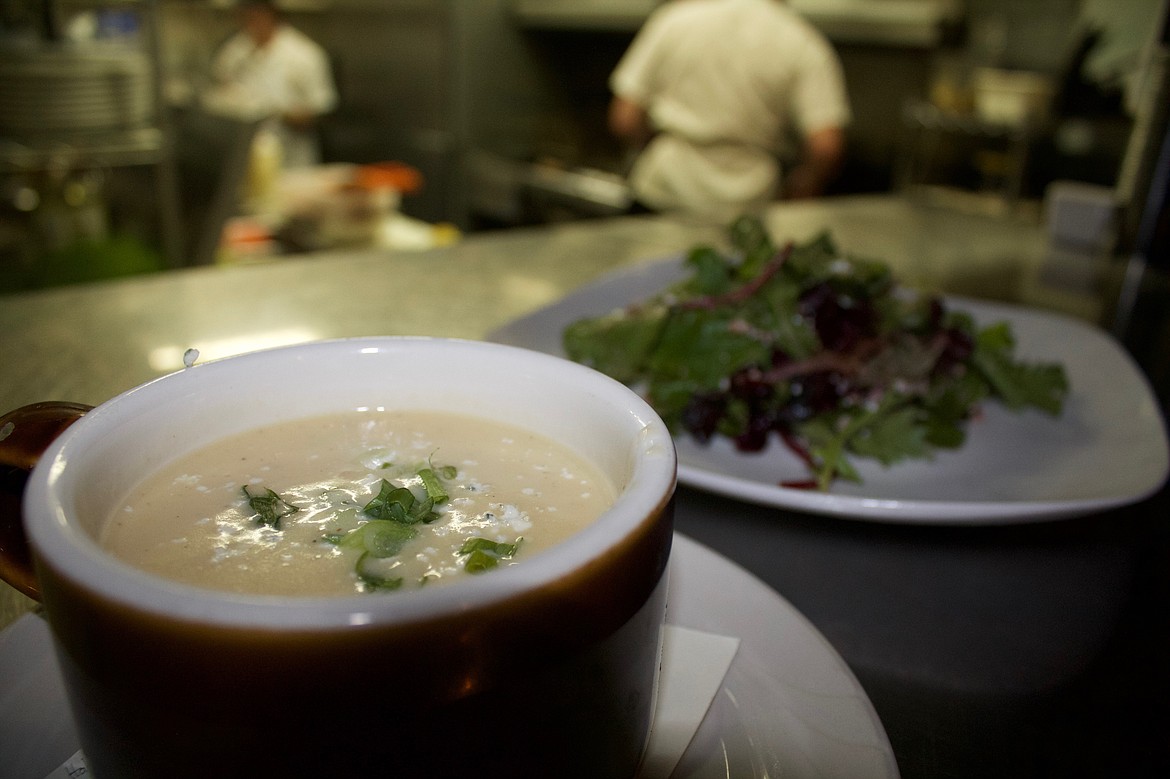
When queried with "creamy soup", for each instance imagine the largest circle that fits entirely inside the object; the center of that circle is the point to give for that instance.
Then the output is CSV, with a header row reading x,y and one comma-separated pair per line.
x,y
357,502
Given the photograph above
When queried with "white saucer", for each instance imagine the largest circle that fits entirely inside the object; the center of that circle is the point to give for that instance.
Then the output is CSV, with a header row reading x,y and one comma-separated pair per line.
x,y
788,706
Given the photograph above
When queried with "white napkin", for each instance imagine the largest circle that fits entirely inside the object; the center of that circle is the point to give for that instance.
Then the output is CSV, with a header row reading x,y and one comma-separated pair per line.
x,y
73,768
693,666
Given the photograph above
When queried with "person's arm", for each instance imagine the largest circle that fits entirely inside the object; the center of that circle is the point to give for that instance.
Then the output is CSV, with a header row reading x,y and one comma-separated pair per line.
x,y
311,76
822,156
629,122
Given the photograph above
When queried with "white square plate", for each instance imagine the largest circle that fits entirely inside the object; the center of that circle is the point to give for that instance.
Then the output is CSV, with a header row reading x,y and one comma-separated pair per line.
x,y
1108,448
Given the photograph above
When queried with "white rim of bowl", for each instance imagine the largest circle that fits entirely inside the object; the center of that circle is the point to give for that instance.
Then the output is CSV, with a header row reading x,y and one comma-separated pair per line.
x,y
74,553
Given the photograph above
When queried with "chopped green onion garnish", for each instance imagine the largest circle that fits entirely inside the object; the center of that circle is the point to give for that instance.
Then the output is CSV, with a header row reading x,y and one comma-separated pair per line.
x,y
383,538
434,487
483,554
373,580
393,512
269,508
400,505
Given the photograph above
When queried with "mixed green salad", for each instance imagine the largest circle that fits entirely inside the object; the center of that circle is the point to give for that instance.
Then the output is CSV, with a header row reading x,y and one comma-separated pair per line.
x,y
823,350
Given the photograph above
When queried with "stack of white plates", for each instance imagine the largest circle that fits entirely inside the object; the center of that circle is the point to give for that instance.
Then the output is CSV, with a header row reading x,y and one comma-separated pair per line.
x,y
62,91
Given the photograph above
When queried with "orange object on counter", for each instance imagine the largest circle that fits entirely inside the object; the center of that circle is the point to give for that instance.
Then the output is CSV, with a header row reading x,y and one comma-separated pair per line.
x,y
245,238
389,175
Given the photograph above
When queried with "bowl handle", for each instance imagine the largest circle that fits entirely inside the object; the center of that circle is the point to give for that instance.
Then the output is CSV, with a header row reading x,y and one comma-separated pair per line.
x,y
24,435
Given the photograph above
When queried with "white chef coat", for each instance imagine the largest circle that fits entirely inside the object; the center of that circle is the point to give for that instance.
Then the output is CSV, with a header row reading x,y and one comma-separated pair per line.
x,y
725,82
290,73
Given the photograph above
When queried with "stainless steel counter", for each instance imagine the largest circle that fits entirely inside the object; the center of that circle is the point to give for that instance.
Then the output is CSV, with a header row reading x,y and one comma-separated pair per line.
x,y
1013,651
88,342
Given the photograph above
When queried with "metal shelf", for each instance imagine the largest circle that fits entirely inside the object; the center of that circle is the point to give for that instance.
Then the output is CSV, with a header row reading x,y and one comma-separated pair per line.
x,y
142,146
133,144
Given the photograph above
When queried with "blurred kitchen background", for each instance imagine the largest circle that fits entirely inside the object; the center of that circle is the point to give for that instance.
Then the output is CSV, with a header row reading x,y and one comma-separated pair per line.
x,y
1040,110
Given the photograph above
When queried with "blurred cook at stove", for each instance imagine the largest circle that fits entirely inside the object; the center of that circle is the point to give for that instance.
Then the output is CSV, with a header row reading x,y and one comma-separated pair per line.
x,y
712,92
270,69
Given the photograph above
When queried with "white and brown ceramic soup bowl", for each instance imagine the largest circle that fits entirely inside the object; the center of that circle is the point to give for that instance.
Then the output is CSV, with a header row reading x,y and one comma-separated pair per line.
x,y
544,668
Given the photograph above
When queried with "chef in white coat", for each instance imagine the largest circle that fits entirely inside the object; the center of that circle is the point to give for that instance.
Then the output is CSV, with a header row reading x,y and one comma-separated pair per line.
x,y
271,70
710,91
